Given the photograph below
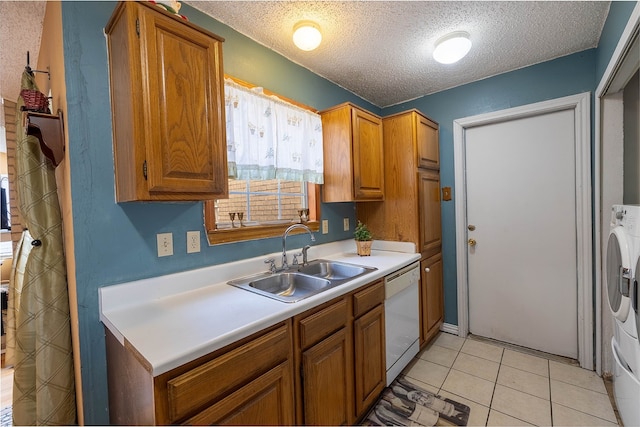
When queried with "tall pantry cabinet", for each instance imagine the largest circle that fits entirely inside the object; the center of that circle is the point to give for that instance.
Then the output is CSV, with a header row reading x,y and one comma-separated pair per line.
x,y
411,210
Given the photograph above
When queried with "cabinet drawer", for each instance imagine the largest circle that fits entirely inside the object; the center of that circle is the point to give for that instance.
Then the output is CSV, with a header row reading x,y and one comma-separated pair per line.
x,y
368,298
212,380
321,324
267,400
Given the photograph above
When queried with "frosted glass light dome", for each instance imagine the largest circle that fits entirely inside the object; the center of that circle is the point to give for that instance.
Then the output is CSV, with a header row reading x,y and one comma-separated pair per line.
x,y
306,35
452,47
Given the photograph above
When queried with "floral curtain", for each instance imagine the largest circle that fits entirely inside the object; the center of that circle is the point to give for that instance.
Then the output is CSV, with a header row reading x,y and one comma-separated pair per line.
x,y
43,382
268,138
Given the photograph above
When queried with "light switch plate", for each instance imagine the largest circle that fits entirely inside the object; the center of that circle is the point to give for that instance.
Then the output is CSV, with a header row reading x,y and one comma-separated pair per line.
x,y
345,224
446,194
193,242
165,244
325,226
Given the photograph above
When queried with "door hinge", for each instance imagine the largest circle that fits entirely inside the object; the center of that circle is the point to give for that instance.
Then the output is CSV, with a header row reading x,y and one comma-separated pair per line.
x,y
138,27
144,170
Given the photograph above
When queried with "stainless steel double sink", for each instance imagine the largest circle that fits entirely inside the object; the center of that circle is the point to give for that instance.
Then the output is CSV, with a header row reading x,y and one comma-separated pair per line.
x,y
302,281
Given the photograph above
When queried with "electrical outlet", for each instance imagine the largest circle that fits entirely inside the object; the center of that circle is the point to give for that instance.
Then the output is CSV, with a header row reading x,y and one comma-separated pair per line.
x,y
193,242
345,224
325,226
165,244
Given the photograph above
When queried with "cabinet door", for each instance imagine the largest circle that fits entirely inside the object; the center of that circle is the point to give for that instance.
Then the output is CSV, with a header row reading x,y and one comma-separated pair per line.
x,y
430,222
267,400
427,141
327,381
369,357
368,166
185,129
431,301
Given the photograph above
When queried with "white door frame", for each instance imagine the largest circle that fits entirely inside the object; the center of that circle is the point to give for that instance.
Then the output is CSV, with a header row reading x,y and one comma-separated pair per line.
x,y
581,106
601,192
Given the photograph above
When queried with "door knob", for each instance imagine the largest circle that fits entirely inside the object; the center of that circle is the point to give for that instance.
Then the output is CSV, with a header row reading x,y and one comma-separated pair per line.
x,y
472,242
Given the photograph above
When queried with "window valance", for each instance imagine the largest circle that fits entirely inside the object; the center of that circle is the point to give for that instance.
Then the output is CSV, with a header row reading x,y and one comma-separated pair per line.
x,y
268,138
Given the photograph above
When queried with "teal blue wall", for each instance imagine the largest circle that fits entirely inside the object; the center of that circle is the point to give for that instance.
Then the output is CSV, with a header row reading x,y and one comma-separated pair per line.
x,y
619,13
116,243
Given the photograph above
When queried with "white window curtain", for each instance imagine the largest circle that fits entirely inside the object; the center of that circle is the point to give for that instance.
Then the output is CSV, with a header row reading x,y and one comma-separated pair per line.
x,y
268,138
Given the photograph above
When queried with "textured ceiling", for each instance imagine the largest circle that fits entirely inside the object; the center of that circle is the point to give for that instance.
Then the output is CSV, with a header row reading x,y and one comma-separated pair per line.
x,y
382,50
20,31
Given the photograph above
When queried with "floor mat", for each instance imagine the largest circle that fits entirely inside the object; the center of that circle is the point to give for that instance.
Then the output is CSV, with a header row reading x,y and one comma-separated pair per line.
x,y
405,404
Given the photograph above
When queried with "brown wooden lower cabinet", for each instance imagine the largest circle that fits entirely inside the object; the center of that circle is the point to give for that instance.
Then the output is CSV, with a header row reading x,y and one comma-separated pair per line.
x,y
229,385
370,358
342,357
327,376
267,400
431,298
325,366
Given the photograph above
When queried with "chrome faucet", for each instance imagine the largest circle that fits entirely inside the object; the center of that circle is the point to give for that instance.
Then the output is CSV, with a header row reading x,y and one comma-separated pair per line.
x,y
285,265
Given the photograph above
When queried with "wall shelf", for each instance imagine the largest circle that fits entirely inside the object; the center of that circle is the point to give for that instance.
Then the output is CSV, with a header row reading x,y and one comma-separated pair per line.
x,y
48,128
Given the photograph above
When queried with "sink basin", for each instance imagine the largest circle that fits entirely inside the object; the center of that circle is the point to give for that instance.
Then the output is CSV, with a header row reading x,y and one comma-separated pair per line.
x,y
292,285
333,270
285,286
301,282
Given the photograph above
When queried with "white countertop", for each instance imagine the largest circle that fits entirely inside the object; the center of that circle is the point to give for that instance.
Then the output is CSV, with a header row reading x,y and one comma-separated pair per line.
x,y
173,319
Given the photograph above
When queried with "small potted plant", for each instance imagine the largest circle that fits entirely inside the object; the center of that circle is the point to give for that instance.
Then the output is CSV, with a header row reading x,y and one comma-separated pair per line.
x,y
363,239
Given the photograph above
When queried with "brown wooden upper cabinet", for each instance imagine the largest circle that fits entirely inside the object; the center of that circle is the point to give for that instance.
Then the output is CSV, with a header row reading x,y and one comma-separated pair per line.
x,y
427,140
411,211
353,162
167,101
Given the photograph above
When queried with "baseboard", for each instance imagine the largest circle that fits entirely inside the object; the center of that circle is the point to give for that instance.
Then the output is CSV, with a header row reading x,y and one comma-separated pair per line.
x,y
449,328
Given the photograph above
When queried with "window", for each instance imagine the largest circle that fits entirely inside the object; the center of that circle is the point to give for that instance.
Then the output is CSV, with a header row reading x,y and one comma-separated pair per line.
x,y
261,202
267,208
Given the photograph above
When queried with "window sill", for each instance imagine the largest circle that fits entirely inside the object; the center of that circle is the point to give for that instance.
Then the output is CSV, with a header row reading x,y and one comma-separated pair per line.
x,y
238,234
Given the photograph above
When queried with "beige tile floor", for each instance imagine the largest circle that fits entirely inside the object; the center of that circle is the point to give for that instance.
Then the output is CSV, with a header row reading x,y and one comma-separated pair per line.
x,y
508,386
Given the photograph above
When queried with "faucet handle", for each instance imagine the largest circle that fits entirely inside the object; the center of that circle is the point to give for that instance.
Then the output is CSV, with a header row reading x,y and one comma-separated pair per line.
x,y
295,258
272,264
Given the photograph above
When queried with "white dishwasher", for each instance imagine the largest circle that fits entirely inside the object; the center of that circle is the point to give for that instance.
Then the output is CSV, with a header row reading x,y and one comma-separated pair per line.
x,y
402,318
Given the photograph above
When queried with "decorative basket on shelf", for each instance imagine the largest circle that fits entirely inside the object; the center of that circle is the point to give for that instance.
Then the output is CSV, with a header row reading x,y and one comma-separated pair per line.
x,y
34,100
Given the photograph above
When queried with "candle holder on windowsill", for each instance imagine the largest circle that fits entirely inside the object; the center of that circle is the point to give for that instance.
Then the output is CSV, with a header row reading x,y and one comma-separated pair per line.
x,y
304,215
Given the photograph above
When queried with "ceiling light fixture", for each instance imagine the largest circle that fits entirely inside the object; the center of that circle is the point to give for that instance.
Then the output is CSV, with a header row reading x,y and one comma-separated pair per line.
x,y
452,47
306,35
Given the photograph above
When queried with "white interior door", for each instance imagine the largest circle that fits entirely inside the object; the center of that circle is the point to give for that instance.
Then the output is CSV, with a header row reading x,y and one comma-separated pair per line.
x,y
521,212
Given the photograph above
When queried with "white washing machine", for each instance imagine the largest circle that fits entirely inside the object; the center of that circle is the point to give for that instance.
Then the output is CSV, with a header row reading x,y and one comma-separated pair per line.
x,y
622,248
622,265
